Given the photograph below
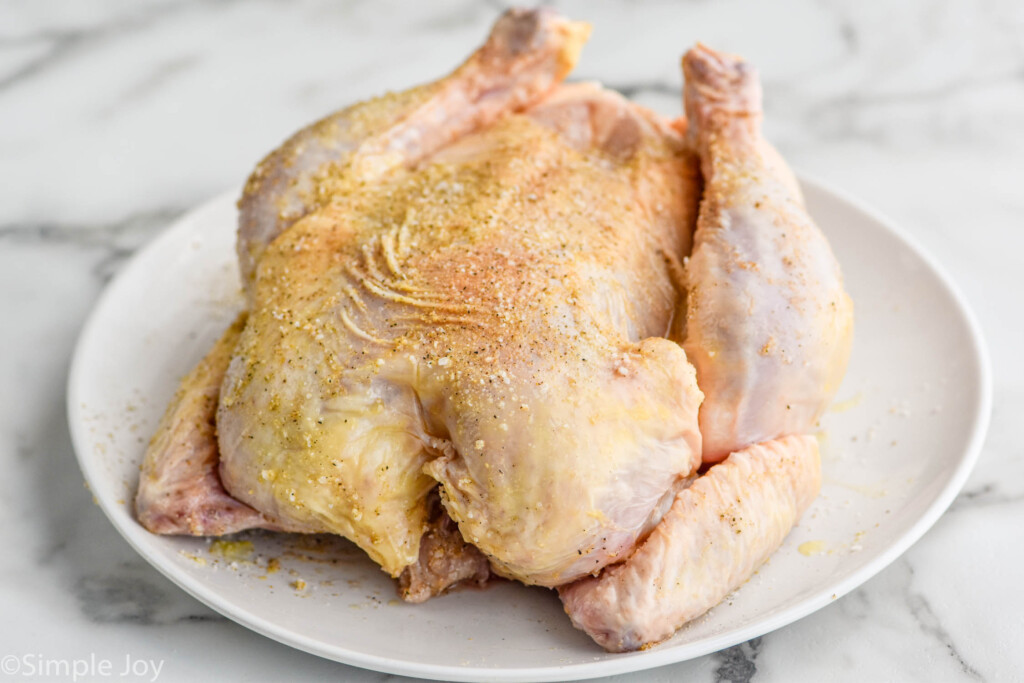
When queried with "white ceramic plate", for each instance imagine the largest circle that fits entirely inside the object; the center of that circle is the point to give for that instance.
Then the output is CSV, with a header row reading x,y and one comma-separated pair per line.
x,y
906,430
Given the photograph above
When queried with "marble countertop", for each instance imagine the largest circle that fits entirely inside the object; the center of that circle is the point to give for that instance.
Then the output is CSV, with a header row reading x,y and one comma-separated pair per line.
x,y
118,116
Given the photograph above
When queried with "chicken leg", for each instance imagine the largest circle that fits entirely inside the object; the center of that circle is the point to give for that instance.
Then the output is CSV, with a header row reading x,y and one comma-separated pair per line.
x,y
768,324
527,54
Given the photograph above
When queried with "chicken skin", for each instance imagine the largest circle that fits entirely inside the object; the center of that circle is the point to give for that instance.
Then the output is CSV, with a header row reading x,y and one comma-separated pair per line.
x,y
768,323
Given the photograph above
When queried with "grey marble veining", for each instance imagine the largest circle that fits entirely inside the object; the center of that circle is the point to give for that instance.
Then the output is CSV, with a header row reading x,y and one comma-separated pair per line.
x,y
118,116
116,241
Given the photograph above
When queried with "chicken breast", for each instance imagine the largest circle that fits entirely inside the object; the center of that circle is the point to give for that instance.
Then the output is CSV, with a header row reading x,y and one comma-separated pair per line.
x,y
488,316
768,324
717,533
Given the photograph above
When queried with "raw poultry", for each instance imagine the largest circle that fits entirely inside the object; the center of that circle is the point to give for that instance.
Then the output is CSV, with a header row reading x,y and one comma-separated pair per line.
x,y
472,314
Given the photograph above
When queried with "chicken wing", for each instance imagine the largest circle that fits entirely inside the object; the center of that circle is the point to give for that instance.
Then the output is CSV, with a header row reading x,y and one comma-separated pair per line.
x,y
717,533
179,490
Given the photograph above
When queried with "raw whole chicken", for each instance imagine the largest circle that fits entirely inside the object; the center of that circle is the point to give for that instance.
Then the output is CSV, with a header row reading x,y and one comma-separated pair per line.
x,y
472,313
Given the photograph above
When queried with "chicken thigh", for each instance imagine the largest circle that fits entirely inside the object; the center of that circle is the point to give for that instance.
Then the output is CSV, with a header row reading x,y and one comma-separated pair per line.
x,y
768,324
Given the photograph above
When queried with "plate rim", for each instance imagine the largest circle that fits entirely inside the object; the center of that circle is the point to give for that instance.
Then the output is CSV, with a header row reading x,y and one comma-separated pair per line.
x,y
604,667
